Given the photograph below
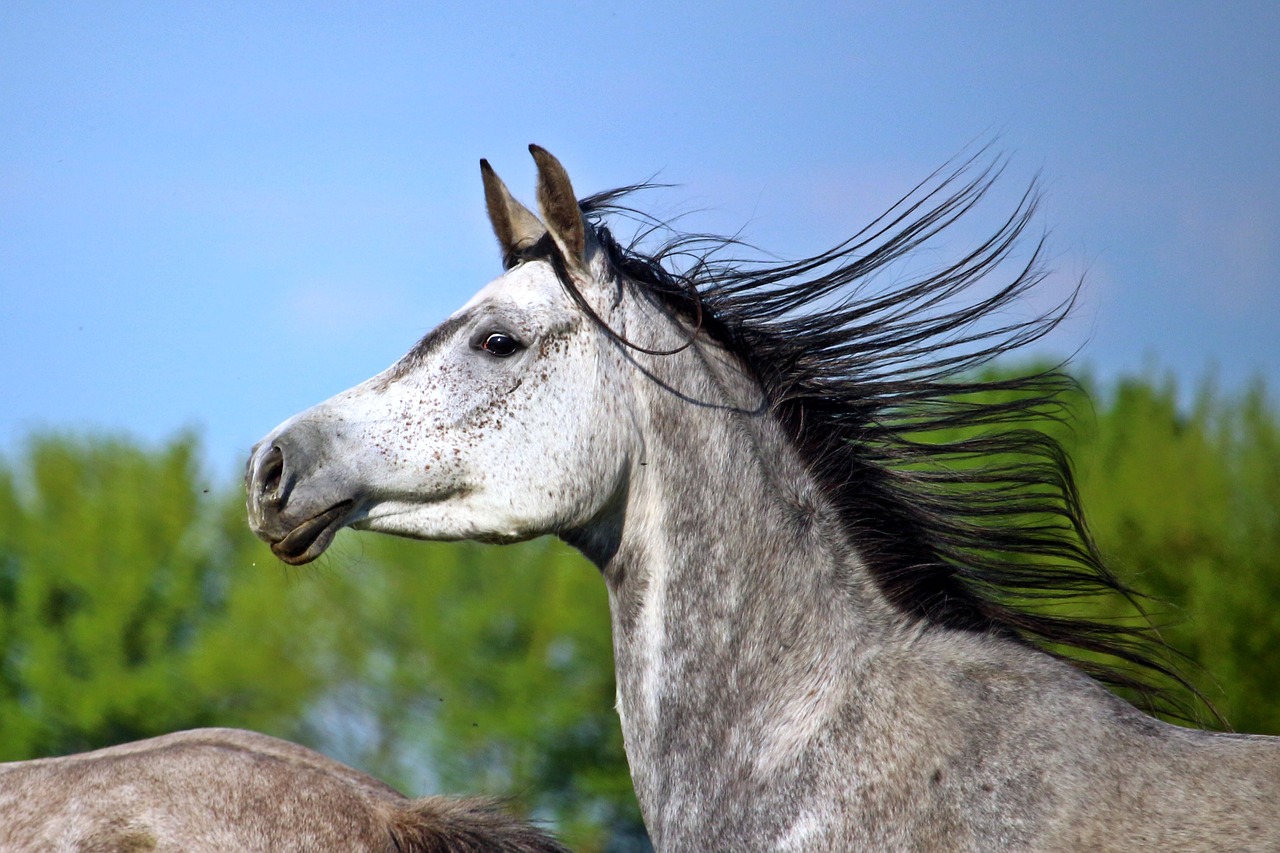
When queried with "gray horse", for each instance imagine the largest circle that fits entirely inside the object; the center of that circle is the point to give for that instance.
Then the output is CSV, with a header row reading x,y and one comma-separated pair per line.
x,y
232,791
825,542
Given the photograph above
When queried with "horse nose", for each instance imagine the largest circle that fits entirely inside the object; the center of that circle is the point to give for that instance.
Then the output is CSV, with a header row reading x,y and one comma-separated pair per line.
x,y
268,476
267,483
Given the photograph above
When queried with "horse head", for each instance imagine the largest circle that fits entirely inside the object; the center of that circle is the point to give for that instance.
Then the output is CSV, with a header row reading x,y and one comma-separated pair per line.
x,y
500,425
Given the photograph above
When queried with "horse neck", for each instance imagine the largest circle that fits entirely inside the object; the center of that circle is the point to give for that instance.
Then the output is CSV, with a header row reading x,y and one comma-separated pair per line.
x,y
737,600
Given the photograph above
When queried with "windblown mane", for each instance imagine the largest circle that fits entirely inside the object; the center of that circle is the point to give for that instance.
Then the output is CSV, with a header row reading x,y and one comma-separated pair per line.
x,y
966,510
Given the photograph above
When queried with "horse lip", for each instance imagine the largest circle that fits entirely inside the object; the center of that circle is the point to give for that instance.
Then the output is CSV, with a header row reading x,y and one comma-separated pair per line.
x,y
310,538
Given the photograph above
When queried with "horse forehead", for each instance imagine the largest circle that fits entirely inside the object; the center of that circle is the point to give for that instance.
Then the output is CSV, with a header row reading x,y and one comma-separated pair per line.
x,y
529,286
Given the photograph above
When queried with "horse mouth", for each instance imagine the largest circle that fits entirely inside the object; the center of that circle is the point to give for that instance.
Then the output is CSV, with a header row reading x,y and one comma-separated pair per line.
x,y
309,539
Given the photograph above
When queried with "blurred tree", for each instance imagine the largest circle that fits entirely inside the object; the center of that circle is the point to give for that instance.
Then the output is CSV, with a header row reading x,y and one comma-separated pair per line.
x,y
492,666
131,605
1186,505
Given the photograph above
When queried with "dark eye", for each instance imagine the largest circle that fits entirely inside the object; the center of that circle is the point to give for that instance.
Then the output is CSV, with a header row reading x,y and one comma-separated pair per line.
x,y
500,345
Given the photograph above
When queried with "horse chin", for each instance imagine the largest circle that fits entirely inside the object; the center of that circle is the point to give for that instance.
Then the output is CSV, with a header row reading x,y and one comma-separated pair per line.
x,y
309,539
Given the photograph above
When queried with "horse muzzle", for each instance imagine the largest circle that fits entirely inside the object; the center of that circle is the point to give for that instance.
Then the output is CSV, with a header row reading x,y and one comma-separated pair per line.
x,y
295,505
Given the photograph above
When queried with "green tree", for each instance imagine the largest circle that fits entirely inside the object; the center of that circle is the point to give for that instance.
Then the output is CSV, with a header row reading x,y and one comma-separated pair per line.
x,y
1186,504
133,602
491,666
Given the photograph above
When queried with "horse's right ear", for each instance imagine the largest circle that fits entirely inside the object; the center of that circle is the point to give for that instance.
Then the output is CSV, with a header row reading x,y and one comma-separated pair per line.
x,y
514,225
559,207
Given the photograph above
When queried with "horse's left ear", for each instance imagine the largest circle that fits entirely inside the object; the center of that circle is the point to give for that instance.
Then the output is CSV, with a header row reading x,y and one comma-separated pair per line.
x,y
559,207
513,224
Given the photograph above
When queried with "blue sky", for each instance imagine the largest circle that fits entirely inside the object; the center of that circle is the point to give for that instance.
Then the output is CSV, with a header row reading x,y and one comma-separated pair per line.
x,y
213,215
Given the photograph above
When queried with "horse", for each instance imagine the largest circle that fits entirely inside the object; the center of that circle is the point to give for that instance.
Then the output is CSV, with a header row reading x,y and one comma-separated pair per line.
x,y
825,533
235,791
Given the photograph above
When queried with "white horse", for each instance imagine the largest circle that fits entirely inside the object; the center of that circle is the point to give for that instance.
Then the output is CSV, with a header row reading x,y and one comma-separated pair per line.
x,y
815,607
234,791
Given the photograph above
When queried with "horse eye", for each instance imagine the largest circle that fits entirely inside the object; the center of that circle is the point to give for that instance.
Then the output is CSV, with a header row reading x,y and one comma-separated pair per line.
x,y
500,345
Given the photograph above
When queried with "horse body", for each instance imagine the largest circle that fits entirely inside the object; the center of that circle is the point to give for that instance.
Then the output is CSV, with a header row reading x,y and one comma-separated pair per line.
x,y
234,791
772,698
777,687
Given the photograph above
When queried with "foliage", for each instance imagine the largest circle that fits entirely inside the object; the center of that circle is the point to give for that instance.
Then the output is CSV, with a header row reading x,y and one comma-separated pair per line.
x,y
1186,504
498,659
133,601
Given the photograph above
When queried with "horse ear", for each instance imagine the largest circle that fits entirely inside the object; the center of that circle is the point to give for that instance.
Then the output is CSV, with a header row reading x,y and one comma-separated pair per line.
x,y
559,207
514,224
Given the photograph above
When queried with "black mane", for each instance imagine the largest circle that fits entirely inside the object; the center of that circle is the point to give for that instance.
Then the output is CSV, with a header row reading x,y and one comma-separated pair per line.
x,y
965,509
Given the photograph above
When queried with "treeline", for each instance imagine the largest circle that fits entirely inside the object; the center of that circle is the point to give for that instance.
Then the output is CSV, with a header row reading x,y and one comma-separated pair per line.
x,y
134,601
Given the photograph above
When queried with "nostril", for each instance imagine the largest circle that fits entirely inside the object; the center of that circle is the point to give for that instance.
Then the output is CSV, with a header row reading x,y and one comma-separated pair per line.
x,y
270,472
